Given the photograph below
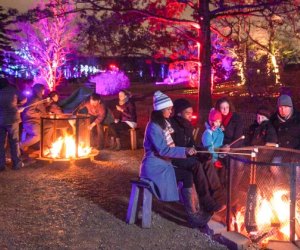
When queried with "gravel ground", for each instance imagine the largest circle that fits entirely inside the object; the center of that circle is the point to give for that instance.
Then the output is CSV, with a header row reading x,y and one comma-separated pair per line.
x,y
83,206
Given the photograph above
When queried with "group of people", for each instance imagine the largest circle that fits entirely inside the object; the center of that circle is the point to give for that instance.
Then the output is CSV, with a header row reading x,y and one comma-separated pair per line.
x,y
15,108
172,155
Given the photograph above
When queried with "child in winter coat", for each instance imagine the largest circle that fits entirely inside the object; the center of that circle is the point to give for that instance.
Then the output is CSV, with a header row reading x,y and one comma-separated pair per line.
x,y
213,136
262,130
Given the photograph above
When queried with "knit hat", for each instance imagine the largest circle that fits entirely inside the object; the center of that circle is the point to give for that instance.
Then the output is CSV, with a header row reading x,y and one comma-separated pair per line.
x,y
180,105
284,100
214,115
264,111
161,101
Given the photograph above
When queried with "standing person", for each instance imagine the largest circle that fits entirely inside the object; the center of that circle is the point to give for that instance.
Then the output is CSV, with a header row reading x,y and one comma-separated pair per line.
x,y
261,131
9,123
31,118
159,150
98,112
207,184
125,118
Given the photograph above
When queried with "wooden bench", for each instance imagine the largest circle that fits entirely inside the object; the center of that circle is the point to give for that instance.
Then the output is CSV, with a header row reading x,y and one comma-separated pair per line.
x,y
138,185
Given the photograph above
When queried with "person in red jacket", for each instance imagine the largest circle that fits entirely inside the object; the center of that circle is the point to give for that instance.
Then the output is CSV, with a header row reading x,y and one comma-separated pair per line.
x,y
98,112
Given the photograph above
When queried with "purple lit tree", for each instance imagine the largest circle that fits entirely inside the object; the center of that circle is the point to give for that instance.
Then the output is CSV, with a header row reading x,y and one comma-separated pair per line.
x,y
46,41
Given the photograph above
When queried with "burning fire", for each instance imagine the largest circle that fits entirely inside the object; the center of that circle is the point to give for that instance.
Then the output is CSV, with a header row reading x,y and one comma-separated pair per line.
x,y
65,147
272,217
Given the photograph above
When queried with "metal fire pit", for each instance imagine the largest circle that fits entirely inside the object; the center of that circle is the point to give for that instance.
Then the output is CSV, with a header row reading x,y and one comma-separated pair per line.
x,y
255,184
65,133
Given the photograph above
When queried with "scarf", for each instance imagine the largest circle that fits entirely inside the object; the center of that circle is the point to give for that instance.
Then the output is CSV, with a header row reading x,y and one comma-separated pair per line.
x,y
284,119
226,119
167,133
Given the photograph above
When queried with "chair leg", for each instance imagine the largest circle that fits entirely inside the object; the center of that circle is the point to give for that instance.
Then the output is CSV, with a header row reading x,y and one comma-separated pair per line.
x,y
133,203
133,139
147,209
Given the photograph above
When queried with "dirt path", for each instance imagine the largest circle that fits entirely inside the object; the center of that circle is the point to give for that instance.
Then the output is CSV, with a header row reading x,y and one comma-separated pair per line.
x,y
83,206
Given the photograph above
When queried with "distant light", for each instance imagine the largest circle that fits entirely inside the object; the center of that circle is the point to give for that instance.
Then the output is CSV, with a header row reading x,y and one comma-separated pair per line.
x,y
194,117
27,92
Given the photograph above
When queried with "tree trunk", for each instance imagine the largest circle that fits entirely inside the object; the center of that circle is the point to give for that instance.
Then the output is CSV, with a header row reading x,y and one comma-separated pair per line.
x,y
204,89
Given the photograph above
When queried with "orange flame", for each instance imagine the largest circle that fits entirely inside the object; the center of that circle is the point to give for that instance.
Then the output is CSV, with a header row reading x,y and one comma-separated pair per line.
x,y
65,147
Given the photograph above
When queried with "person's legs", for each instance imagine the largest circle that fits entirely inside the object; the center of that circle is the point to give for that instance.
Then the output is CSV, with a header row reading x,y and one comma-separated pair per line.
x,y
13,138
33,132
2,147
120,128
100,136
196,217
215,186
210,195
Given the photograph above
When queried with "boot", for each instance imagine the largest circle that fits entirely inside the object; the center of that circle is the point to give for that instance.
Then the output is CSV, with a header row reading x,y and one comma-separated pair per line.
x,y
118,144
112,143
196,218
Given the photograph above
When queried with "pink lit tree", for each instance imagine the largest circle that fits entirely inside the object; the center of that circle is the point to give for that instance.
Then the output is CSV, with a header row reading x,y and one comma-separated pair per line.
x,y
194,20
45,42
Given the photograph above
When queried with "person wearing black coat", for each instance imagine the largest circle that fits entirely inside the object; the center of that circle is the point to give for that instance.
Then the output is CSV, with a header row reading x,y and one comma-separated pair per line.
x,y
125,118
261,131
286,122
9,123
204,176
232,126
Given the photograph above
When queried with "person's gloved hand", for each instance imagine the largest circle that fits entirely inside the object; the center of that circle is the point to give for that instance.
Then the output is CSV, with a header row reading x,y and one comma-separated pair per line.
x,y
218,164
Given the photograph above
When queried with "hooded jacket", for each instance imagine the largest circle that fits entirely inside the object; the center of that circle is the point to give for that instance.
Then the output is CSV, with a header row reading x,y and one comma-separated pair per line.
x,y
212,139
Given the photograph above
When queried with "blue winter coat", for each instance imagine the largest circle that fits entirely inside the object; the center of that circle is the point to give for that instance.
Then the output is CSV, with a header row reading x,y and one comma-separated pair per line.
x,y
156,164
212,139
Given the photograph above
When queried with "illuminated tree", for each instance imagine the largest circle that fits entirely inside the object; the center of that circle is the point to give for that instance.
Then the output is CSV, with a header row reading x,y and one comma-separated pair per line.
x,y
46,42
6,18
195,15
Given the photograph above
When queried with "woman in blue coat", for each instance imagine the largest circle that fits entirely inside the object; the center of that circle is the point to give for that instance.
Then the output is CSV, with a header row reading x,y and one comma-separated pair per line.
x,y
159,150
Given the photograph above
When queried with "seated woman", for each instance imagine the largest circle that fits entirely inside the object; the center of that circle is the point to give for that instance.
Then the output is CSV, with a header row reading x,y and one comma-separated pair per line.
x,y
125,118
159,149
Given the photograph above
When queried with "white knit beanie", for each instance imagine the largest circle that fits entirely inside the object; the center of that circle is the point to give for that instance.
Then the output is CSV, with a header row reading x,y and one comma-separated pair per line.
x,y
161,101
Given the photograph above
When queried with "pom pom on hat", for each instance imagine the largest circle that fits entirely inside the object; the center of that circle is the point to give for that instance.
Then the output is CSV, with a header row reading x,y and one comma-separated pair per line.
x,y
180,105
161,101
214,115
284,100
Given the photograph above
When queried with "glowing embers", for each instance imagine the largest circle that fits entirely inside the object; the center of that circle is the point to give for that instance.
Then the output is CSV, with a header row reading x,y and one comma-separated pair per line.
x,y
65,147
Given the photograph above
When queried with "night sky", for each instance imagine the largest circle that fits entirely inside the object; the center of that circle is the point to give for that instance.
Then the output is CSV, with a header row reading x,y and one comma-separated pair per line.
x,y
21,5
